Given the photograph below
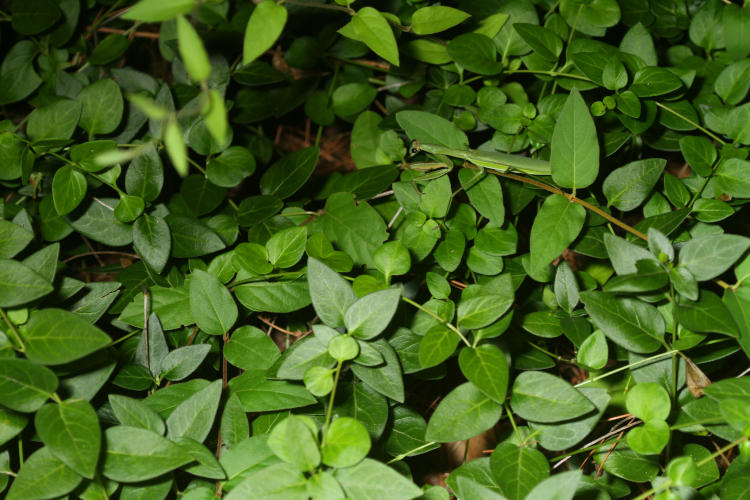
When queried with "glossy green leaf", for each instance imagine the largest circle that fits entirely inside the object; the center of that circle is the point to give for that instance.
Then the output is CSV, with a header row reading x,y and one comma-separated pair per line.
x,y
25,386
135,413
101,107
263,28
293,441
331,294
290,173
436,18
346,443
487,368
372,479
708,256
541,397
517,470
629,186
369,316
152,240
42,475
249,349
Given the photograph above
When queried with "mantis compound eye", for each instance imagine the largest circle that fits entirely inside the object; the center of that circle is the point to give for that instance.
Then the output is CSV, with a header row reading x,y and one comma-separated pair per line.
x,y
414,149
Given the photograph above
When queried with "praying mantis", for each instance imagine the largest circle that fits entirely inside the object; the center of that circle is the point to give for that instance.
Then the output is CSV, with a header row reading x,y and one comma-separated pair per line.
x,y
492,160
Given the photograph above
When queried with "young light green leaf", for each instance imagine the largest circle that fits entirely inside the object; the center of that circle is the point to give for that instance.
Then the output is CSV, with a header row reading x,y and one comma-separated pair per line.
x,y
346,443
464,413
263,28
192,51
371,28
436,18
574,159
215,116
176,149
649,438
593,352
292,440
70,430
154,11
212,305
648,401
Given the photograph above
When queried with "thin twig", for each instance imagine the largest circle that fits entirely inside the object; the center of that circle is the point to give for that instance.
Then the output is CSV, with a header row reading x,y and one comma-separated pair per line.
x,y
102,252
282,330
137,34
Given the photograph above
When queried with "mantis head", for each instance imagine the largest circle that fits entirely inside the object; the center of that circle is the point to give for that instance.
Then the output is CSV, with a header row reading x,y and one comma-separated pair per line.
x,y
414,148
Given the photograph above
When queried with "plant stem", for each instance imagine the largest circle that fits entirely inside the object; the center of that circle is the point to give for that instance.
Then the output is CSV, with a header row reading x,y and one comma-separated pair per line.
x,y
402,456
329,410
449,325
21,347
691,122
547,73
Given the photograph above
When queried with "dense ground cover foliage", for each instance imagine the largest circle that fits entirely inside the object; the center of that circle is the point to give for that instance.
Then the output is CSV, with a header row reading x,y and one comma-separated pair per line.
x,y
225,271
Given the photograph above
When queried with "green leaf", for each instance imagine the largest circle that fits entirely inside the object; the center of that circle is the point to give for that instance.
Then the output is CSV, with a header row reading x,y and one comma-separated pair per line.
x,y
654,81
343,348
708,256
436,18
392,258
438,344
13,239
428,127
630,323
708,314
174,141
42,475
275,297
627,464
56,336
201,194
541,397
734,483
371,28
135,413
152,240
331,294
183,361
351,98
212,305
134,454
194,417
154,11
25,386
71,432
517,470
386,379
733,82
249,349
111,48
230,167
485,195
191,238
234,425
479,311
487,368
192,51
629,186
594,352
649,438
369,316
563,435
733,177
145,175
407,433
346,443
574,157
464,413
54,121
19,284
638,41
699,153
33,16
98,222
476,53
286,247
18,78
545,42
278,481
648,401
556,225
129,208
287,175
259,394
735,23
372,479
102,107
263,28
292,440
561,486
